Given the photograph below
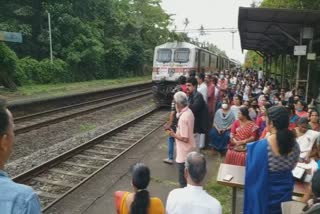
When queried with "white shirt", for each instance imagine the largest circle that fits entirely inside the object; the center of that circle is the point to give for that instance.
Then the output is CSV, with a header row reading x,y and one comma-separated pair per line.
x,y
203,89
260,74
233,80
235,110
192,200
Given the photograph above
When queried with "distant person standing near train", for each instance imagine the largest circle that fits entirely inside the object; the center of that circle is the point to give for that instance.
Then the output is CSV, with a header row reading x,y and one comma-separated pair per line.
x,y
200,111
14,198
173,120
202,86
184,135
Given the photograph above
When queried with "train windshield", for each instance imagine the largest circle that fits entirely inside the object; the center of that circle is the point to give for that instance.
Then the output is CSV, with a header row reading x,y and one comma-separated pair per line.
x,y
182,55
164,55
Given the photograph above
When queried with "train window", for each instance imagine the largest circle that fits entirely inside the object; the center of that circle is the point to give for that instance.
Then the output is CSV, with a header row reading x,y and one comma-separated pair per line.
x,y
181,55
203,57
164,55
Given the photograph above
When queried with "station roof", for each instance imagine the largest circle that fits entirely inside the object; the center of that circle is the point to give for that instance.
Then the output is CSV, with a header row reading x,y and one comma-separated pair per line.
x,y
275,31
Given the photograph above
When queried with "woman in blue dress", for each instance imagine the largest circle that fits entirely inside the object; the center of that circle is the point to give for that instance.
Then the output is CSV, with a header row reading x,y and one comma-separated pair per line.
x,y
269,180
220,132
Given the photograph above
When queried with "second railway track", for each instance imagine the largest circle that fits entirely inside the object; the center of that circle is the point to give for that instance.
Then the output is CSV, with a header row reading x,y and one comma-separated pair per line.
x,y
38,120
59,176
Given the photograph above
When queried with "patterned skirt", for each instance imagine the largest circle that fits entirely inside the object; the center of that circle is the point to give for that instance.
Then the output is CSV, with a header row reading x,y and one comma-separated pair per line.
x,y
235,158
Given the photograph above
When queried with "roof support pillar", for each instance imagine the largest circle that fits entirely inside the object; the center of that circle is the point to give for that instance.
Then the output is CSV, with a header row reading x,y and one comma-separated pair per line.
x,y
310,47
283,69
275,72
299,62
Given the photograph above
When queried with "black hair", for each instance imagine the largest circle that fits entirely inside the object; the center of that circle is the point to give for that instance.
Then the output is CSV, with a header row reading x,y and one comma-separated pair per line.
x,y
239,97
304,104
313,110
192,73
291,109
201,76
267,105
279,117
4,117
245,112
140,180
303,120
193,81
283,102
315,184
182,80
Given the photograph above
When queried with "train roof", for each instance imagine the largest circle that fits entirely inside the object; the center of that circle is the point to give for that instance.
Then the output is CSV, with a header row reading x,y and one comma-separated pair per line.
x,y
177,45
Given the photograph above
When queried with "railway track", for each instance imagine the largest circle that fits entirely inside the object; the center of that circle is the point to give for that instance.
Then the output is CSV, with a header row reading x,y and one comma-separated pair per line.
x,y
34,121
59,176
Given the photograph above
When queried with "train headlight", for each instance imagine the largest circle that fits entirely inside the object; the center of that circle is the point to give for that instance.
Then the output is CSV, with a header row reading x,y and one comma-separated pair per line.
x,y
171,71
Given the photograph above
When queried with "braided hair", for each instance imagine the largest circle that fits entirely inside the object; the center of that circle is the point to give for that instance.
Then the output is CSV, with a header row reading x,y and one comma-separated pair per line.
x,y
280,120
4,117
140,180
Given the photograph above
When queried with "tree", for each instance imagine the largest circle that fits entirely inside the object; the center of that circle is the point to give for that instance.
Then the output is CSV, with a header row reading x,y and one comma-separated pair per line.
x,y
186,22
293,4
253,60
8,66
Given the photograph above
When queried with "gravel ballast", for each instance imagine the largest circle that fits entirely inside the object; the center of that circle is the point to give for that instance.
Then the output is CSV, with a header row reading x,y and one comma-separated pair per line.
x,y
37,146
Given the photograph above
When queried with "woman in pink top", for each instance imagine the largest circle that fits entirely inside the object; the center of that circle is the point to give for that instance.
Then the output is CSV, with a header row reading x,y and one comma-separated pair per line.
x,y
301,109
211,91
184,139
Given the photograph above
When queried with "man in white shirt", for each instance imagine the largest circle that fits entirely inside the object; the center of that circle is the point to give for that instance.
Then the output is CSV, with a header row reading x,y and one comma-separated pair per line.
x,y
202,86
192,199
260,74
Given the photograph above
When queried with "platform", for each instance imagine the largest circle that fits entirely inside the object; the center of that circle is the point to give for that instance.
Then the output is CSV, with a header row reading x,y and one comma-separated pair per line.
x,y
96,196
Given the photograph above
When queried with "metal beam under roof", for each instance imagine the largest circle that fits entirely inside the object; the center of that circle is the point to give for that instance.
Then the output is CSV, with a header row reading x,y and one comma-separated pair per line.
x,y
275,30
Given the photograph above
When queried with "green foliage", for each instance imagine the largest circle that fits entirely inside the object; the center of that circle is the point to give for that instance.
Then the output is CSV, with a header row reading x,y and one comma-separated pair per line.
x,y
95,38
42,72
28,71
293,4
8,66
253,60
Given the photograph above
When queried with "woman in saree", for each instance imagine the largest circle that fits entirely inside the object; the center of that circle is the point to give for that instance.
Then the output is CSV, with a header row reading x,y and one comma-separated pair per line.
x,y
243,131
138,202
269,180
293,118
220,132
261,119
314,120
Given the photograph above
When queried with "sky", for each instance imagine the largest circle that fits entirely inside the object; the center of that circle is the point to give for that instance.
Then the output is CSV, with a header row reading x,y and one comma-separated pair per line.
x,y
210,14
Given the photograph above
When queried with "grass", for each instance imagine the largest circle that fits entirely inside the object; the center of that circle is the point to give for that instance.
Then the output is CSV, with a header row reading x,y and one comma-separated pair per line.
x,y
165,182
51,90
87,127
221,193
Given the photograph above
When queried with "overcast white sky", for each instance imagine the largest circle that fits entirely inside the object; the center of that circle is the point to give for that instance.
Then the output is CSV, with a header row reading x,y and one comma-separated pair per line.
x,y
210,14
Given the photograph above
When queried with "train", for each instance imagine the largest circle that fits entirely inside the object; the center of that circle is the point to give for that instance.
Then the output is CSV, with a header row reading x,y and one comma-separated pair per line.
x,y
174,59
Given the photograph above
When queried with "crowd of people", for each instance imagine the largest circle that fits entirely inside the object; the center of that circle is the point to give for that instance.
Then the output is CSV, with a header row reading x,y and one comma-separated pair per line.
x,y
251,122
246,119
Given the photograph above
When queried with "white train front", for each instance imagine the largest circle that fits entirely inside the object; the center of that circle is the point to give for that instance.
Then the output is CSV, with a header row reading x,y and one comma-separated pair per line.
x,y
174,59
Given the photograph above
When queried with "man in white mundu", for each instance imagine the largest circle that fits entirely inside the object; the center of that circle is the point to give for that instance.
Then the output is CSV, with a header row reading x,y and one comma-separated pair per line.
x,y
306,140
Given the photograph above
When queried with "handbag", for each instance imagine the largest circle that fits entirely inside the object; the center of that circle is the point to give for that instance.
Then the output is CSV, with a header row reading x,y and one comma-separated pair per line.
x,y
240,148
